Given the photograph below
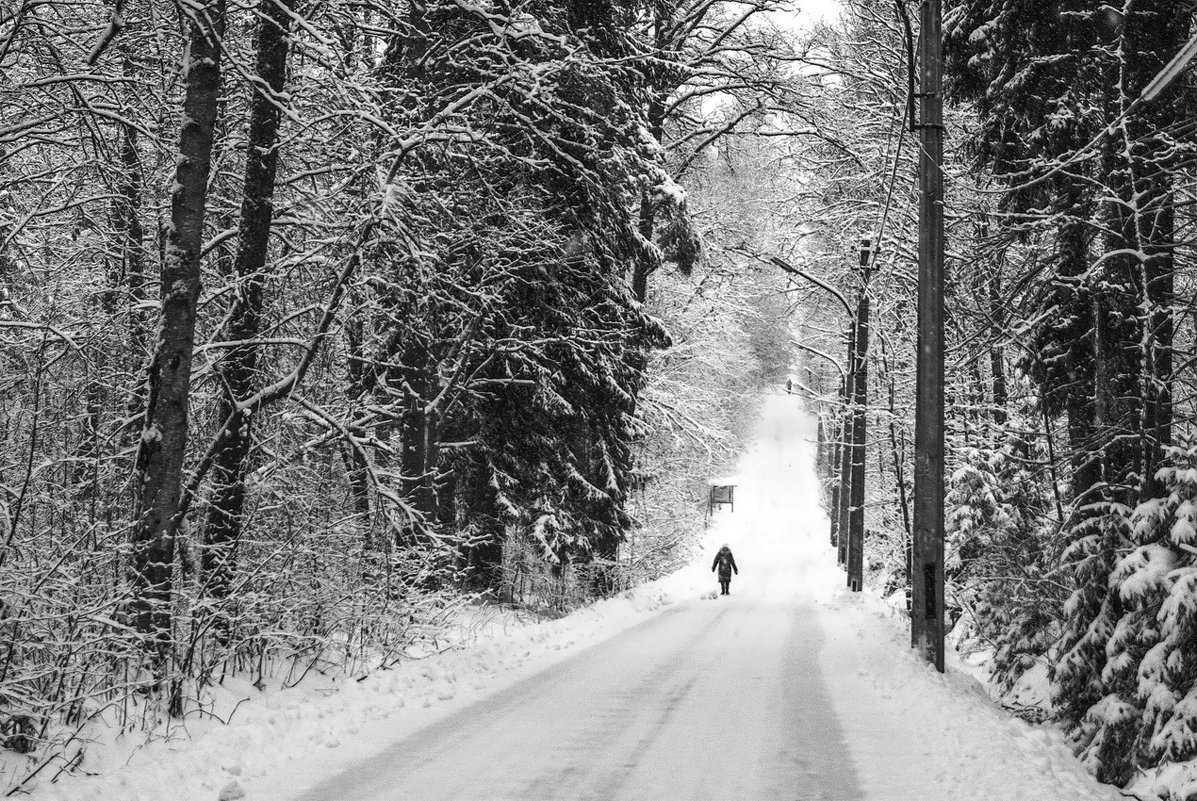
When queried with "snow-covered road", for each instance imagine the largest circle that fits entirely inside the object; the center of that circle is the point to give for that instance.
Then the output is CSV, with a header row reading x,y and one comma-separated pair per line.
x,y
792,688
712,698
719,699
715,697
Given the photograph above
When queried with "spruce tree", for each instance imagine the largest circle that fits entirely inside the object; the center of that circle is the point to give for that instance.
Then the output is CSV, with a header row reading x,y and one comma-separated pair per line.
x,y
1090,168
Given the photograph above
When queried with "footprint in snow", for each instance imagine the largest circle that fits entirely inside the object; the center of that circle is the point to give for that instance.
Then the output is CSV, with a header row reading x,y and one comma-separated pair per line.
x,y
231,792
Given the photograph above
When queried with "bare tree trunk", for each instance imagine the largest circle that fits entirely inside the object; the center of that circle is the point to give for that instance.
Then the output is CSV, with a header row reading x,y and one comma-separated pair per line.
x,y
1084,366
648,211
356,465
997,360
820,448
1151,33
238,370
973,417
897,449
420,446
482,553
125,227
1159,329
163,443
128,214
127,222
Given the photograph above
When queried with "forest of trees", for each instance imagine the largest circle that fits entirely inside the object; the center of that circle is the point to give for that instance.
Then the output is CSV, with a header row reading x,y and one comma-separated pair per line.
x,y
1070,484
318,320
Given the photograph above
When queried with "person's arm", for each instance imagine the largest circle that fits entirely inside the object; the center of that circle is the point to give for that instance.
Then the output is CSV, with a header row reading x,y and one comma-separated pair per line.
x,y
714,563
733,561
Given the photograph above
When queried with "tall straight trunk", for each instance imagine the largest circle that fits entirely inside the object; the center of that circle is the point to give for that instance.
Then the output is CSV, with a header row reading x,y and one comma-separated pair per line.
x,y
1080,392
1151,33
820,448
640,271
127,222
927,590
1136,186
163,445
973,418
125,285
421,444
860,400
446,500
648,212
897,451
238,370
357,469
482,552
1118,337
997,359
1160,281
1118,375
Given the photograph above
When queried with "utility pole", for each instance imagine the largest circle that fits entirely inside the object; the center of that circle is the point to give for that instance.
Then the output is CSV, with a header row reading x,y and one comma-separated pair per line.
x,y
833,475
843,510
927,595
860,400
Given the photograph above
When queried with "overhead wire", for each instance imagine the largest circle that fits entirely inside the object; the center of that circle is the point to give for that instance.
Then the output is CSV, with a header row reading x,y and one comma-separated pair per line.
x,y
907,121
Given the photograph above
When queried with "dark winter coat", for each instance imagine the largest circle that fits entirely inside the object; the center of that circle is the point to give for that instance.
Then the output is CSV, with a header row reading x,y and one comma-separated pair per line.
x,y
726,564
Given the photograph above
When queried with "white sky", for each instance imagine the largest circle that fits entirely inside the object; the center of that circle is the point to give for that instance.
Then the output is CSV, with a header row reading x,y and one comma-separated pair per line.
x,y
812,10
806,13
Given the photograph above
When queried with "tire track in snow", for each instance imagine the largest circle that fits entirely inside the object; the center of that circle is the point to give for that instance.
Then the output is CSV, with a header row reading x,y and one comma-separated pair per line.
x,y
711,699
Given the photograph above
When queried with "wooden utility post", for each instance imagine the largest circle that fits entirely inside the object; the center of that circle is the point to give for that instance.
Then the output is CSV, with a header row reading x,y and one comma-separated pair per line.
x,y
927,596
860,400
833,476
843,509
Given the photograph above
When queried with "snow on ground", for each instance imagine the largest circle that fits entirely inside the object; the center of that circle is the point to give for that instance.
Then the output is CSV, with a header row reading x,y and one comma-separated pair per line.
x,y
910,733
282,740
915,734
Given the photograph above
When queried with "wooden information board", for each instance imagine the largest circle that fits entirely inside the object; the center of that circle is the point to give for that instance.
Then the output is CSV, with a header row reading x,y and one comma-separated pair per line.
x,y
721,494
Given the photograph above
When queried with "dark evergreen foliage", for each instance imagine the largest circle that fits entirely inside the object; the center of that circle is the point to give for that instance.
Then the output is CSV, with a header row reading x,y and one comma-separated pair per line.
x,y
1090,170
530,261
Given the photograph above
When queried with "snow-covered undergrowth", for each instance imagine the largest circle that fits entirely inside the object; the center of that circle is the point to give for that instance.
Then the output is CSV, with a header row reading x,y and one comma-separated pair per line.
x,y
278,741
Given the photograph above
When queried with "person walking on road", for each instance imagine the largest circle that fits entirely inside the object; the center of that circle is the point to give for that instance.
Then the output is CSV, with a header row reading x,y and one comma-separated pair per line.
x,y
726,564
